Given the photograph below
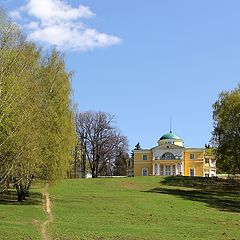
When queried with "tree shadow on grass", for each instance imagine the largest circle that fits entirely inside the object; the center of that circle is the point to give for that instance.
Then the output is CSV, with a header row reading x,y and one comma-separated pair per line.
x,y
221,194
10,198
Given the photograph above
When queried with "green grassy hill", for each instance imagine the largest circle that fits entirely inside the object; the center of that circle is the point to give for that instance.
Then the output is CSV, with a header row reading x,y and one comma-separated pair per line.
x,y
21,220
133,208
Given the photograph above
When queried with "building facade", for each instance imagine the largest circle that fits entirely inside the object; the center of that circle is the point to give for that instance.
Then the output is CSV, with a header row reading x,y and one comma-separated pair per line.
x,y
170,157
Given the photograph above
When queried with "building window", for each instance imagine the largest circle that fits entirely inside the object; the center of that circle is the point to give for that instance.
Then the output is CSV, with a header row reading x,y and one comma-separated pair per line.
x,y
207,160
168,170
144,172
144,157
162,170
173,170
168,156
192,172
206,174
192,156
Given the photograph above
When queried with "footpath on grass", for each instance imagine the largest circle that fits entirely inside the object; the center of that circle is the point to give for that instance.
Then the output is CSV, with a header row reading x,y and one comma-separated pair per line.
x,y
47,209
139,208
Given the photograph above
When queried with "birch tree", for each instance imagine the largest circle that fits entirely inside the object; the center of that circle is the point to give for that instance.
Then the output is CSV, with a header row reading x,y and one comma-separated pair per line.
x,y
37,132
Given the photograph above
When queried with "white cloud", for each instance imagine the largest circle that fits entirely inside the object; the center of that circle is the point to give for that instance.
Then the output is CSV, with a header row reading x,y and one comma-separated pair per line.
x,y
49,11
15,14
57,23
32,25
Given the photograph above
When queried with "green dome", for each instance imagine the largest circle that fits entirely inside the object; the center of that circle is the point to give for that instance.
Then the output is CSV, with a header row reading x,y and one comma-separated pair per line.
x,y
170,136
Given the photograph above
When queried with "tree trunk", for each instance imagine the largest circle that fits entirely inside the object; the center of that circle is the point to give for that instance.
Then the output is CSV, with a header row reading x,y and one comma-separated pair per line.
x,y
93,173
21,192
30,180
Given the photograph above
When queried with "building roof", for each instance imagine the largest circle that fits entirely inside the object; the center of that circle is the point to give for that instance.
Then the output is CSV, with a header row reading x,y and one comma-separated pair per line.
x,y
170,136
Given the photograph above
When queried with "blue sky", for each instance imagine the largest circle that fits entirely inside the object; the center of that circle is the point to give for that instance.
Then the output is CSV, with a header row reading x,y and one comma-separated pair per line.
x,y
143,61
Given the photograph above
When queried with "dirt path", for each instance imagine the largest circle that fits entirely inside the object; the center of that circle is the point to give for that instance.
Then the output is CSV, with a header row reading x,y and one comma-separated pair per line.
x,y
47,209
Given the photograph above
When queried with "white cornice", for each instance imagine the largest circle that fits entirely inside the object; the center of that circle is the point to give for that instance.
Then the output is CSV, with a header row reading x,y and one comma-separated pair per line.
x,y
170,146
142,150
194,149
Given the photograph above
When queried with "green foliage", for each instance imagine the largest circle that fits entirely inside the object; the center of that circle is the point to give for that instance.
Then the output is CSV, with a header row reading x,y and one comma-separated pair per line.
x,y
58,133
37,132
120,168
226,134
210,151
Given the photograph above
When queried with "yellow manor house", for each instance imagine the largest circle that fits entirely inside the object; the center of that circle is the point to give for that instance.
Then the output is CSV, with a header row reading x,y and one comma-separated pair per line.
x,y
170,157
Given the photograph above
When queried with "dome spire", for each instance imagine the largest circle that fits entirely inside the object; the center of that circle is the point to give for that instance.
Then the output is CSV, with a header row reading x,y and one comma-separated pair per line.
x,y
170,124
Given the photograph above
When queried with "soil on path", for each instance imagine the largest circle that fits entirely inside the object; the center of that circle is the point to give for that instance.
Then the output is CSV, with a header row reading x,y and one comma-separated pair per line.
x,y
47,209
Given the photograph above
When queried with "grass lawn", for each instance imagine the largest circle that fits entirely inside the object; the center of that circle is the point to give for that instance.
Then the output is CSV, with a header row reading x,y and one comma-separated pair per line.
x,y
21,220
145,208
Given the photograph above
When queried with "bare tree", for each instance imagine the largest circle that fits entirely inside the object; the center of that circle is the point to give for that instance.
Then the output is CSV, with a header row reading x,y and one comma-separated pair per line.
x,y
102,141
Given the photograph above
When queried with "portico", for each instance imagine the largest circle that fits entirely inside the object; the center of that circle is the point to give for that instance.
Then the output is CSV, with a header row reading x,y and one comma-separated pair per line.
x,y
167,169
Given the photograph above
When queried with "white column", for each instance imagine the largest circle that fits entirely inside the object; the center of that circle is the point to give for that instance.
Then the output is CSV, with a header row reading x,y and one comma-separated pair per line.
x,y
182,169
176,168
164,170
153,169
158,169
